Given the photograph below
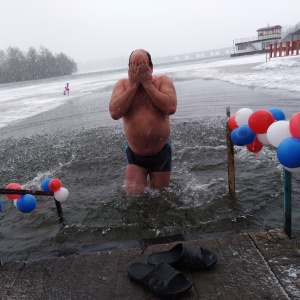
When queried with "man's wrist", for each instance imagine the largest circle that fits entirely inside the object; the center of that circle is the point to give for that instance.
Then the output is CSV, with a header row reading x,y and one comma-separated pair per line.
x,y
134,85
147,84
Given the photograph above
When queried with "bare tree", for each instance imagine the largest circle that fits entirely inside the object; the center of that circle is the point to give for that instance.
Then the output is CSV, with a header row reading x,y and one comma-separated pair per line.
x,y
16,66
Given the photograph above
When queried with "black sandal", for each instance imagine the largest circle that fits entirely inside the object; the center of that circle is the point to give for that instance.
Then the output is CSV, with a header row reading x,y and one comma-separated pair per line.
x,y
161,279
189,258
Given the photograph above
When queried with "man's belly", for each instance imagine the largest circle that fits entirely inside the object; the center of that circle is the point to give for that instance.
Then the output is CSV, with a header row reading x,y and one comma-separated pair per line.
x,y
147,138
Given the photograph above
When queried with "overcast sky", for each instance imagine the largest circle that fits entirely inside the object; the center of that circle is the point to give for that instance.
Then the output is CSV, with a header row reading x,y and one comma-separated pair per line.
x,y
100,29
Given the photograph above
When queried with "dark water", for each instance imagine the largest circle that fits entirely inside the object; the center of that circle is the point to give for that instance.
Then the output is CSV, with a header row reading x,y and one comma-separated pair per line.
x,y
79,144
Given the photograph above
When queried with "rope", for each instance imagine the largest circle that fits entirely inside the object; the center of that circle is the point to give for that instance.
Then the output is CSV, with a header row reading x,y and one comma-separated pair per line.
x,y
40,207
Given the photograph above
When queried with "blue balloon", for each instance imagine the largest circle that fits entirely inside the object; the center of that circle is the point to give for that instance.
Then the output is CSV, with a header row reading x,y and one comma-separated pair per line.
x,y
26,203
245,135
288,152
0,206
277,113
45,184
234,138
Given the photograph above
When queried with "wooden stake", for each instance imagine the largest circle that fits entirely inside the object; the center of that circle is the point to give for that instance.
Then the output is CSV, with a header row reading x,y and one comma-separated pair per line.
x,y
230,158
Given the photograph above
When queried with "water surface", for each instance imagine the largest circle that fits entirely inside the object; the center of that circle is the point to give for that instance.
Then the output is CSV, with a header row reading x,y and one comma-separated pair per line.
x,y
76,141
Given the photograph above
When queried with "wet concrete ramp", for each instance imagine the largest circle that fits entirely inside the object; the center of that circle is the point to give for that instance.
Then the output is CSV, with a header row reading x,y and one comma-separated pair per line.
x,y
256,265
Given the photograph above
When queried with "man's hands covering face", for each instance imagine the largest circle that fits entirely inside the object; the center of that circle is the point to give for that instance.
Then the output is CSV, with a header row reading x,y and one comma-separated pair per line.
x,y
133,74
139,72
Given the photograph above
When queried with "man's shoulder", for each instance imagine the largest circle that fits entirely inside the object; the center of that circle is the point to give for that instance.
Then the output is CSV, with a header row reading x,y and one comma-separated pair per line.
x,y
162,77
124,81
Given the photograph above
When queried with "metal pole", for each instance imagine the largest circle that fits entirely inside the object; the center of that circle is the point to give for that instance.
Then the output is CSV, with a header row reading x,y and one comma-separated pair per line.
x,y
287,204
230,158
24,192
60,212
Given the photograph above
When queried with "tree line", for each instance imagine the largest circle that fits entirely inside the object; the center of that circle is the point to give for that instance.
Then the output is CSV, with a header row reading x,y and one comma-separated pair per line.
x,y
35,64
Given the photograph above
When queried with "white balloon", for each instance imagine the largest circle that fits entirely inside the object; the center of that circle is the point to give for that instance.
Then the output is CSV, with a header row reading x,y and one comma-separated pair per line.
x,y
293,170
15,202
262,137
242,116
61,195
277,132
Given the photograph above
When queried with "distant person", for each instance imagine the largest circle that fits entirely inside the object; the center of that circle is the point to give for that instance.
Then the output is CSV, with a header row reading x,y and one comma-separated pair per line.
x,y
67,89
145,103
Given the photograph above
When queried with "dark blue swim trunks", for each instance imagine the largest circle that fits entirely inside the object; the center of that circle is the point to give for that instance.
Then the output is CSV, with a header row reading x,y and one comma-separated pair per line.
x,y
159,162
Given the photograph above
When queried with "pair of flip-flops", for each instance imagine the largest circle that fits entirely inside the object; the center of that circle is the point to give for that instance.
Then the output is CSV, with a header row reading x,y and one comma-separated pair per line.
x,y
162,279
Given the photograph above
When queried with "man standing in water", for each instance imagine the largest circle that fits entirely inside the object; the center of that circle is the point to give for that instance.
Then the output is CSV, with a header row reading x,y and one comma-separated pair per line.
x,y
145,103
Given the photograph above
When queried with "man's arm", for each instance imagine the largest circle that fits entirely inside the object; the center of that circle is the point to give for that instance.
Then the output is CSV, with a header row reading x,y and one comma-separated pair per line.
x,y
121,99
165,98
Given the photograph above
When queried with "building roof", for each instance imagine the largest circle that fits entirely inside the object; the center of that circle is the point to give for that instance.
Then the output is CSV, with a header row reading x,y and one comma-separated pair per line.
x,y
269,27
297,31
292,36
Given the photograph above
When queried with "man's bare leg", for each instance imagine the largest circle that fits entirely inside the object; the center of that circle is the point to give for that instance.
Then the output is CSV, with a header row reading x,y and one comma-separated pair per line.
x,y
136,179
160,180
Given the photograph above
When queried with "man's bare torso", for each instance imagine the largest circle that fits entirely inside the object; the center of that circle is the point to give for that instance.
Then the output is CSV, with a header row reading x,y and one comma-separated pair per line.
x,y
147,129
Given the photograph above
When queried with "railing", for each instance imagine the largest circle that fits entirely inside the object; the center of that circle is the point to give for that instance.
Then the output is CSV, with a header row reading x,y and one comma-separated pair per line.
x,y
284,48
245,40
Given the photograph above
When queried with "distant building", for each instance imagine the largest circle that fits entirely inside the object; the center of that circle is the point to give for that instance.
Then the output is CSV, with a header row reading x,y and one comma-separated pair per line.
x,y
294,36
259,44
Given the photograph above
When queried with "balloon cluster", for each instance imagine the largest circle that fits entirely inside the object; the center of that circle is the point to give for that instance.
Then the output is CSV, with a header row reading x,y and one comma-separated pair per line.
x,y
24,203
27,203
54,185
268,127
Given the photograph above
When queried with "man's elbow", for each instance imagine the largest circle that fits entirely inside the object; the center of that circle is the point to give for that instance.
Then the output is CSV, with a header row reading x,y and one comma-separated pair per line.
x,y
172,110
115,115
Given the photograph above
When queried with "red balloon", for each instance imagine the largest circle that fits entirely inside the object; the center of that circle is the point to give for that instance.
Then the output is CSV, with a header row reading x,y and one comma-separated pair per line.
x,y
260,120
295,125
13,186
54,185
255,146
231,123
